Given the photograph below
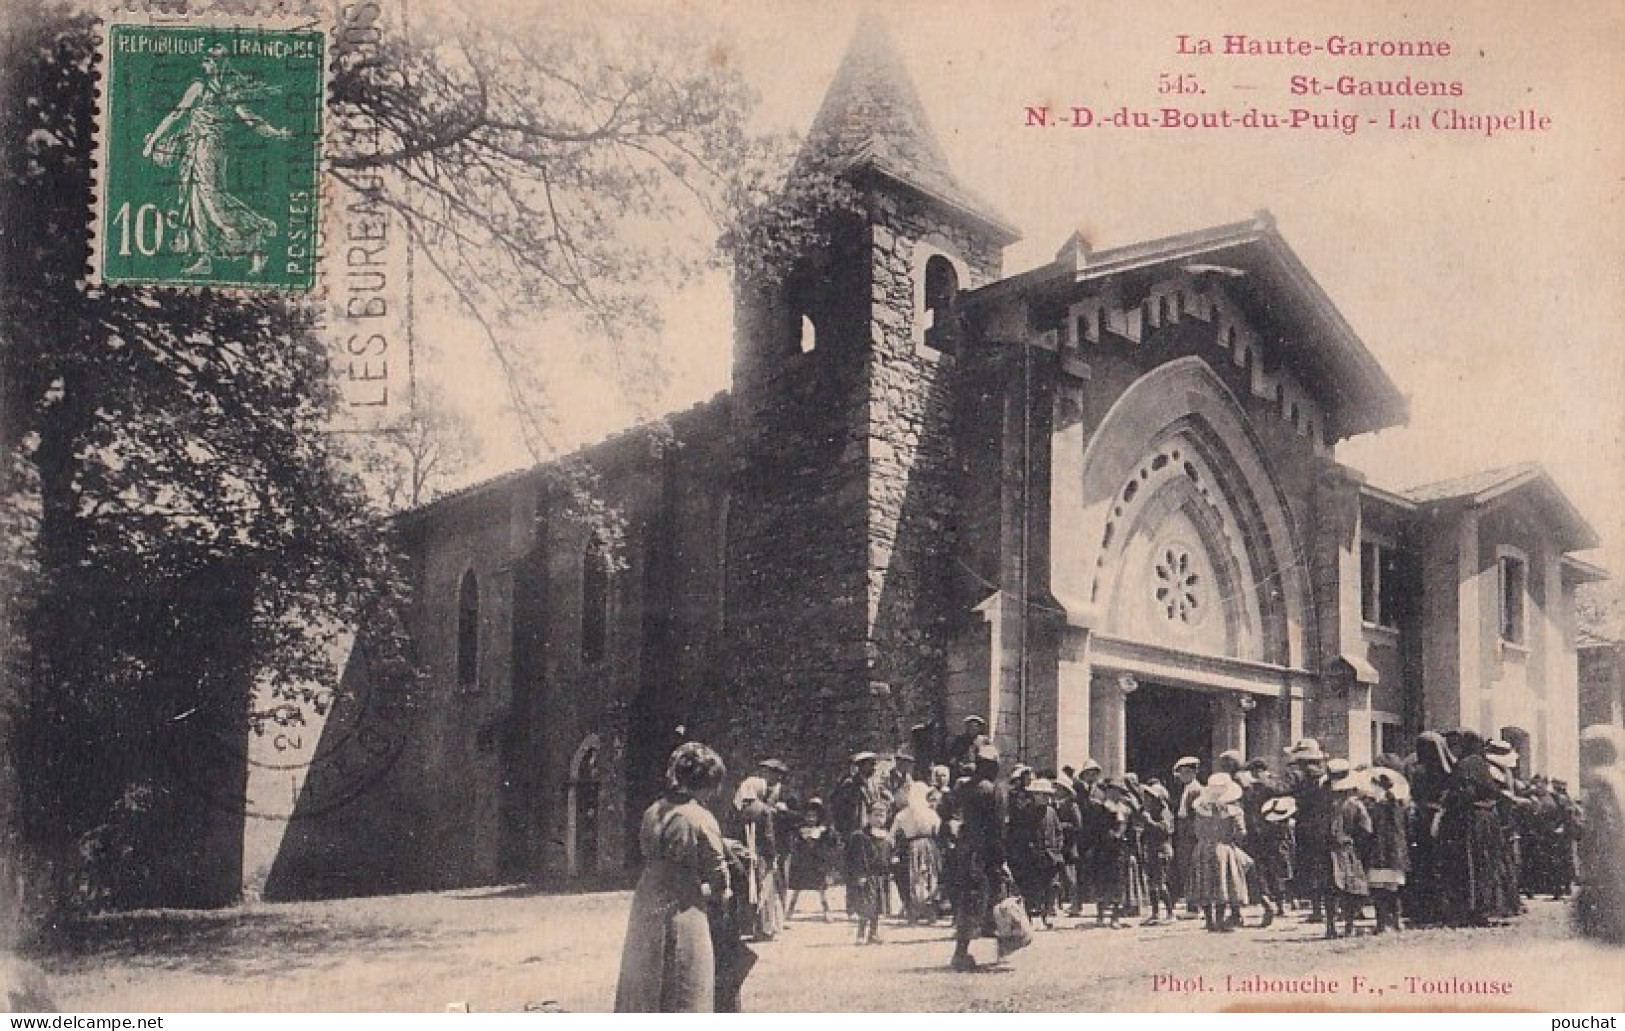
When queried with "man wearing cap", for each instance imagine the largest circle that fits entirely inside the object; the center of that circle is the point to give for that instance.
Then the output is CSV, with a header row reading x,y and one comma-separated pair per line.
x,y
1188,789
1311,862
962,749
854,797
979,848
1092,830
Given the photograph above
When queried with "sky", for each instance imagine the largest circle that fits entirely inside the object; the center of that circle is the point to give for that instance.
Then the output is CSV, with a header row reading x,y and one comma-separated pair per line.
x,y
1483,272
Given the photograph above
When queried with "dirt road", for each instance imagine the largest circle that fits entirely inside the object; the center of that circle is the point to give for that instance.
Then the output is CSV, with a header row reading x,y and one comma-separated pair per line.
x,y
504,950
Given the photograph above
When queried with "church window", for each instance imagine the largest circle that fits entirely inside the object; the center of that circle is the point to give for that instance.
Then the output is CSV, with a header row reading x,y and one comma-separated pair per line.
x,y
468,630
1178,586
809,335
1379,584
941,287
594,602
1513,577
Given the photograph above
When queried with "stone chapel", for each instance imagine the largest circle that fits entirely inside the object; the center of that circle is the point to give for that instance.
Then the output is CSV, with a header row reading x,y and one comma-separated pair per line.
x,y
1097,502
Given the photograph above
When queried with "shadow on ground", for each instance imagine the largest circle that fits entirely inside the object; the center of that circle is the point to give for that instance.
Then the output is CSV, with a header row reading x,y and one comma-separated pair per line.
x,y
232,943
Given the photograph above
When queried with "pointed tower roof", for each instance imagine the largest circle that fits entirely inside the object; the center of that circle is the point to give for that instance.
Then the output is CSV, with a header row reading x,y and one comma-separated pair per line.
x,y
872,118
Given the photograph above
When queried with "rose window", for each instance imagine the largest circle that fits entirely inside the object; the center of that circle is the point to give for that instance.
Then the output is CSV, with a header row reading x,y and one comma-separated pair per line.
x,y
1179,587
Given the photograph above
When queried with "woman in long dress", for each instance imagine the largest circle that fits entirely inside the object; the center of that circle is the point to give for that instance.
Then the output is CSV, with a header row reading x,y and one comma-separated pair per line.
x,y
1218,864
668,964
1390,863
214,222
1599,908
1430,775
914,840
1470,841
1347,846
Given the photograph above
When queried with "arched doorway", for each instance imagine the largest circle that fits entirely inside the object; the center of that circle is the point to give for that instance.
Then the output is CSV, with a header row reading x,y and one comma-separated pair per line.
x,y
1191,575
581,809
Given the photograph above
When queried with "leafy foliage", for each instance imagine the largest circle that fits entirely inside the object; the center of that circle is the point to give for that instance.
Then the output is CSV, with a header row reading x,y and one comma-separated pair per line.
x,y
579,162
166,454
174,513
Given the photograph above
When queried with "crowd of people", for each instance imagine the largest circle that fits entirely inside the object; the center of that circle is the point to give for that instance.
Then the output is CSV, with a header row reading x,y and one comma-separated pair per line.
x,y
1449,835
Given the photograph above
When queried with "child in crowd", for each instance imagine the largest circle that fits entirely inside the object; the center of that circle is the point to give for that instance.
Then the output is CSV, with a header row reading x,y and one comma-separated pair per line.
x,y
868,859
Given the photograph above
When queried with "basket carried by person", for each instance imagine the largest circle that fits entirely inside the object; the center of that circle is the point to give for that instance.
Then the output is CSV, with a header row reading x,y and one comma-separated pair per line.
x,y
1011,925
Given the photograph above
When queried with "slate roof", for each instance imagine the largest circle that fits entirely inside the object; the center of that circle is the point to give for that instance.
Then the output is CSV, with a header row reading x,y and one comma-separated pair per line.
x,y
872,118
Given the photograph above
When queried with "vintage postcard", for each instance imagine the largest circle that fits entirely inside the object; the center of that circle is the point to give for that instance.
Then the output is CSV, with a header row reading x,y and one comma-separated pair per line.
x,y
1052,506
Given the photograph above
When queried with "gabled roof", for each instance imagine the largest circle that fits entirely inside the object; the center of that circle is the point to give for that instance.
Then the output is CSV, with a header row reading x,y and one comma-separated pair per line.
x,y
1303,328
1476,490
600,450
872,119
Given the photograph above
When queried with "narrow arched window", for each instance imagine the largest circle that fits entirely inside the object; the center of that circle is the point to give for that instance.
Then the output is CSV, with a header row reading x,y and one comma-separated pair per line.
x,y
941,287
809,335
594,601
468,630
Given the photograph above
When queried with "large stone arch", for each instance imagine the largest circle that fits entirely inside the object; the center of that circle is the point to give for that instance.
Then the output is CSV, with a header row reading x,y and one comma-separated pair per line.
x,y
1175,484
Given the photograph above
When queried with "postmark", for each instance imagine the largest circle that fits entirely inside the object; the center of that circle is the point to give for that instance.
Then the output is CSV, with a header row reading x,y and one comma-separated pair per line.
x,y
209,152
304,761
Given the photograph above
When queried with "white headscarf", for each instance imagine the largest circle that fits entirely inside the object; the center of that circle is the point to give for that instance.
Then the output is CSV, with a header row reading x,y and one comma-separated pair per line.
x,y
917,819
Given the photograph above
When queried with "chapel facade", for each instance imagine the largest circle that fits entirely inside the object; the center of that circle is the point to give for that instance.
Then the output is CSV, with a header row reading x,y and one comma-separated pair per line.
x,y
1097,502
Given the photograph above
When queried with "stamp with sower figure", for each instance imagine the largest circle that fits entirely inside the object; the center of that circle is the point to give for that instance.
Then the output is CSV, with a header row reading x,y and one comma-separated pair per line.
x,y
209,149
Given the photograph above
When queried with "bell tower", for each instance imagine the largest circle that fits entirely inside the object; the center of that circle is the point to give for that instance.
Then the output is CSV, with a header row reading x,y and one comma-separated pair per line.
x,y
841,509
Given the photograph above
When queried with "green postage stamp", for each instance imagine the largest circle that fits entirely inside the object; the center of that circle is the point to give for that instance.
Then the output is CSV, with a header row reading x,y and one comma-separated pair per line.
x,y
209,154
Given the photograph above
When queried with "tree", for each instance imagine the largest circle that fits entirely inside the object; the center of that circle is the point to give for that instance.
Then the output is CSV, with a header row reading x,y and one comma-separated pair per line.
x,y
413,461
580,162
177,521
175,517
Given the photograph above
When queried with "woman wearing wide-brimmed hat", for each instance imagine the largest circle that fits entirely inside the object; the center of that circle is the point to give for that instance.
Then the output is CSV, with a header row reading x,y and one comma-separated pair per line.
x,y
1218,864
1349,838
1271,846
1389,801
1599,908
1035,847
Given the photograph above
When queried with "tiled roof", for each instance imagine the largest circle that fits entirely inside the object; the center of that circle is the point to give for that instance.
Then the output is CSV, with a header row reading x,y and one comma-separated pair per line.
x,y
872,118
1469,486
1481,488
698,410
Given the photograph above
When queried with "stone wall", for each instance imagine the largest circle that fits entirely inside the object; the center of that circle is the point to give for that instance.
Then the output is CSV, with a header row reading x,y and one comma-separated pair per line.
x,y
473,783
913,510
